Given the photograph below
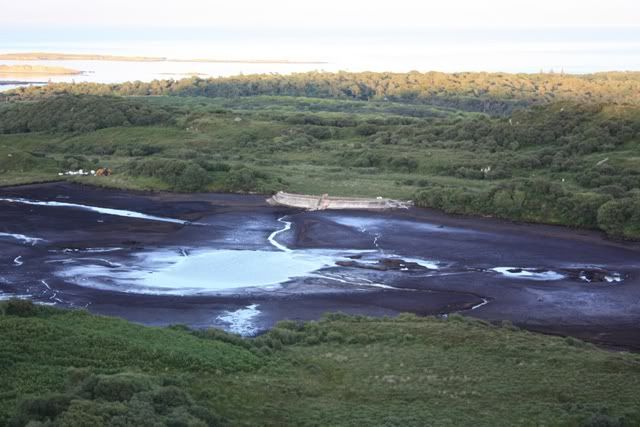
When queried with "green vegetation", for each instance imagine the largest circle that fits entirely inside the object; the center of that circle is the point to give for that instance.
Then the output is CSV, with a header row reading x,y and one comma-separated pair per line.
x,y
485,92
72,368
569,163
78,114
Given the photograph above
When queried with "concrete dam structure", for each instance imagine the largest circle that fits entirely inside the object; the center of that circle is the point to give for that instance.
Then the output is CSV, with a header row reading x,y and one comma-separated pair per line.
x,y
315,203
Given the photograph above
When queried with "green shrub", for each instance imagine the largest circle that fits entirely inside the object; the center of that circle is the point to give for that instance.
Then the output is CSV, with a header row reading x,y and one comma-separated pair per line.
x,y
121,399
192,178
220,335
318,132
285,336
21,308
366,129
180,175
213,166
621,218
335,336
403,164
168,397
44,408
116,388
246,180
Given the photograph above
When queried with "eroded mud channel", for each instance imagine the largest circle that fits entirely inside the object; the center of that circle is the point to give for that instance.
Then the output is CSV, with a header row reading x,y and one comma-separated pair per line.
x,y
234,262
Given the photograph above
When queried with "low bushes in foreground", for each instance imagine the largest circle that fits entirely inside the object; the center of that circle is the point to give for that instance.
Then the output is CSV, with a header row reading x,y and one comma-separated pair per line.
x,y
123,399
61,367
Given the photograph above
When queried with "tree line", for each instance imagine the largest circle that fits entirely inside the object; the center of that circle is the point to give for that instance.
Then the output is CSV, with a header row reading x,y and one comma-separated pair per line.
x,y
496,93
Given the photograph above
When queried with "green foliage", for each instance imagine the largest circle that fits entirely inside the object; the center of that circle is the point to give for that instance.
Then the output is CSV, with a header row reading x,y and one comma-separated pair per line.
x,y
121,399
71,368
18,161
180,175
497,93
192,178
403,164
244,179
78,113
533,200
621,217
20,307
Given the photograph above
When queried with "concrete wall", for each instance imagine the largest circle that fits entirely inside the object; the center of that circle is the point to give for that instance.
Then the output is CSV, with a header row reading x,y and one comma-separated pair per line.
x,y
325,202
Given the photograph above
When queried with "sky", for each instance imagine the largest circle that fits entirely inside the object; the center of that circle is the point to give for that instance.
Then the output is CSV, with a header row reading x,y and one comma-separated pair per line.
x,y
325,14
399,35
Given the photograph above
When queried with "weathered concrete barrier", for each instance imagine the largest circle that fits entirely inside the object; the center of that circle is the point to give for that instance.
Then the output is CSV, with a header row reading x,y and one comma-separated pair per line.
x,y
314,203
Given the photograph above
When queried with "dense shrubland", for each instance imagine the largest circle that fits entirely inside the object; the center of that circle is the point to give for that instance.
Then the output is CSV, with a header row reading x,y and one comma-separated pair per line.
x,y
532,200
78,114
60,368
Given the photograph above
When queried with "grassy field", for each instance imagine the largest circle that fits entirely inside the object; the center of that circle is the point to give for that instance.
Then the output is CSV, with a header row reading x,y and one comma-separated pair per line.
x,y
74,368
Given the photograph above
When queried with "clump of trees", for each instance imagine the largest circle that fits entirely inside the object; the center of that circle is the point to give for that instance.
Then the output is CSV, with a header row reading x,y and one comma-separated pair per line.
x,y
496,93
621,217
534,200
195,175
244,179
180,175
79,113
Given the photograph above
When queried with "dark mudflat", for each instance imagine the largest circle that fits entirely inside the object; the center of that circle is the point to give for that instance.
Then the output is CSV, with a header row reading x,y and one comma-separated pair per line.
x,y
465,250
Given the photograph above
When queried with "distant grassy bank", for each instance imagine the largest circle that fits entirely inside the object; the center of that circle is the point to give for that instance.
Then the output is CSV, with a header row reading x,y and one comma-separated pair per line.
x,y
49,56
74,368
39,70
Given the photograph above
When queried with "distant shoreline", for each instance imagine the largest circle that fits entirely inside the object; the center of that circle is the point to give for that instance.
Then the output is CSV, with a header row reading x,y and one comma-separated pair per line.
x,y
45,56
18,83
37,70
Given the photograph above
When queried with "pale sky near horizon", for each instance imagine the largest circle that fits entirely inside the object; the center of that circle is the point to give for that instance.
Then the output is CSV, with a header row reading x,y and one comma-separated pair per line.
x,y
283,14
397,35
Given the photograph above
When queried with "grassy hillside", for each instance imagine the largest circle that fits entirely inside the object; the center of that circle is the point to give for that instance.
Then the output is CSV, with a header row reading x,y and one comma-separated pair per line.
x,y
568,163
74,368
